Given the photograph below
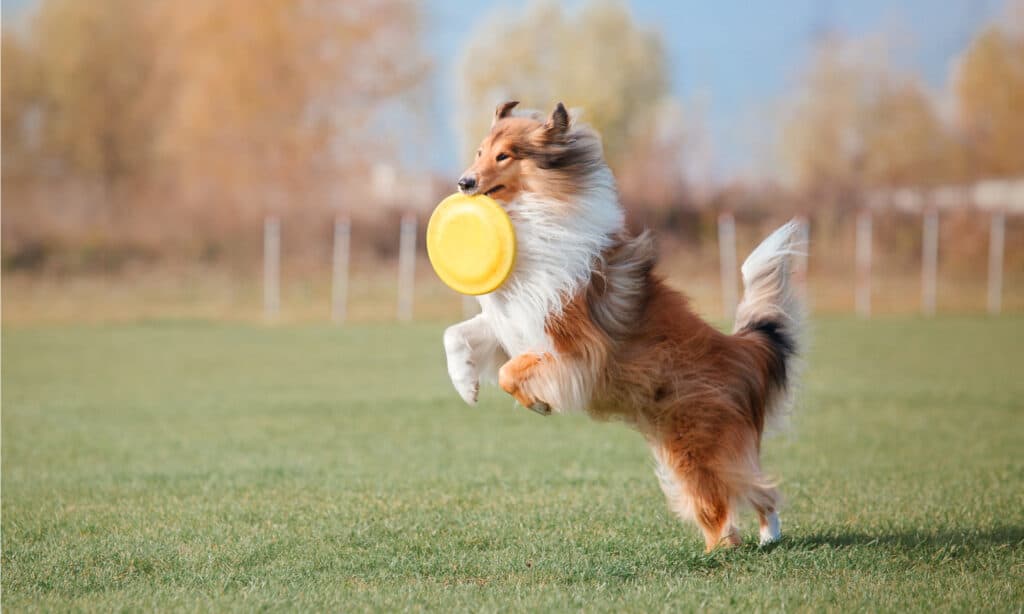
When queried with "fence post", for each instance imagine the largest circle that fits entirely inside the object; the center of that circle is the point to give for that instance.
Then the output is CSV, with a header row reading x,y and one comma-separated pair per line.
x,y
863,257
727,262
996,237
406,266
339,269
929,259
271,267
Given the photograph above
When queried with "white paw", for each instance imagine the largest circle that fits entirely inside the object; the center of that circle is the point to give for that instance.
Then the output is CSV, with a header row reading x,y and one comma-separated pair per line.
x,y
468,389
771,532
461,369
464,378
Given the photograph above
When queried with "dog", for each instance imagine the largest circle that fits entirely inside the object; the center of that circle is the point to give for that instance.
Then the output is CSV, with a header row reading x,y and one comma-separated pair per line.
x,y
584,323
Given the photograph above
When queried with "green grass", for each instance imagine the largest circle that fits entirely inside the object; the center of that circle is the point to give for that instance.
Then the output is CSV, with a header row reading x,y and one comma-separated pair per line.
x,y
193,466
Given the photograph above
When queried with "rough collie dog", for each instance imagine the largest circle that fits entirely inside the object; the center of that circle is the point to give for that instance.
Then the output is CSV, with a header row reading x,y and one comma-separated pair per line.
x,y
585,324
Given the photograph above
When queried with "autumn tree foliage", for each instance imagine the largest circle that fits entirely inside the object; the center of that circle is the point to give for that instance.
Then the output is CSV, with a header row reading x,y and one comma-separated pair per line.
x,y
183,111
856,123
20,88
262,109
78,78
988,82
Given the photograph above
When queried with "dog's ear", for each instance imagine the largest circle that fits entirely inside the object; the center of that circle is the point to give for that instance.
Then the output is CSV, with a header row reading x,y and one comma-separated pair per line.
x,y
558,123
503,110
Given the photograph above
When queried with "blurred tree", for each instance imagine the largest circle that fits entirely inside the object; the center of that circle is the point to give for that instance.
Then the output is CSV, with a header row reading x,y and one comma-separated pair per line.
x,y
822,137
856,124
263,107
164,104
599,59
989,88
20,93
93,61
657,172
904,142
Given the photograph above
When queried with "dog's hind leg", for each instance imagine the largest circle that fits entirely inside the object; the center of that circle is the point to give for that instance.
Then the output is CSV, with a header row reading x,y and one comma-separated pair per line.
x,y
764,498
765,502
771,530
696,493
713,509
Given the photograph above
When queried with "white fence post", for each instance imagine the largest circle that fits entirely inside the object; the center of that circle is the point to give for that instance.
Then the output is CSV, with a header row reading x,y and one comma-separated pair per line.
x,y
727,262
929,260
863,257
340,267
271,267
406,266
996,237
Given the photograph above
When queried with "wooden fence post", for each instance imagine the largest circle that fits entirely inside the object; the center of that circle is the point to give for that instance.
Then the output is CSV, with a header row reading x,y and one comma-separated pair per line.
x,y
929,259
863,258
406,266
340,268
996,238
271,267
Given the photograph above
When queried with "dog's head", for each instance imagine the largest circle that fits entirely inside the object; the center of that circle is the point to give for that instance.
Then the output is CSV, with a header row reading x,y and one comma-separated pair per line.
x,y
526,153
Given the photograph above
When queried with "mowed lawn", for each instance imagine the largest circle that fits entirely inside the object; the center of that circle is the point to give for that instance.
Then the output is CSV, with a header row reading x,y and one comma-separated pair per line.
x,y
199,466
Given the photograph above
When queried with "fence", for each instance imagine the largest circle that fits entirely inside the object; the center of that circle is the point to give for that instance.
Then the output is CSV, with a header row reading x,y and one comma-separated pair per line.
x,y
997,199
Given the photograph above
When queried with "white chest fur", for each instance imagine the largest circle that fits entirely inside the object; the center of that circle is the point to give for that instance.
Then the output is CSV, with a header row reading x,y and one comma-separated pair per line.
x,y
557,247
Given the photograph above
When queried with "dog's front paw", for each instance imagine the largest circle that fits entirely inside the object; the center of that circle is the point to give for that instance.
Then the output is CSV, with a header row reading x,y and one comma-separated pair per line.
x,y
465,379
461,368
514,377
541,408
468,389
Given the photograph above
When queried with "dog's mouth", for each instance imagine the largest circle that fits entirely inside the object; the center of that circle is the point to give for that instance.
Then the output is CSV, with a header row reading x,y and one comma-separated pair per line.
x,y
495,189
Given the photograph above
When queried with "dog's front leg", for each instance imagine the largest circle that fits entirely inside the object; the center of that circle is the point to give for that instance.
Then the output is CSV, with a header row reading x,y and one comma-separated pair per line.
x,y
472,350
532,379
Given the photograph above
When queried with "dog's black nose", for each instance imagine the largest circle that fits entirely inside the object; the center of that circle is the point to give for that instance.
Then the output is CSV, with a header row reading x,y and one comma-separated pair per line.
x,y
467,182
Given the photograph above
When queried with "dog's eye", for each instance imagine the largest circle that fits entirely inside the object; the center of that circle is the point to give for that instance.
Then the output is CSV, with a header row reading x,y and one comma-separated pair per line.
x,y
501,156
478,152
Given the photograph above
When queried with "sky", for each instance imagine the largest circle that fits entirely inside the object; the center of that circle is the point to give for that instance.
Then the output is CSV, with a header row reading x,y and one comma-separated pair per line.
x,y
731,59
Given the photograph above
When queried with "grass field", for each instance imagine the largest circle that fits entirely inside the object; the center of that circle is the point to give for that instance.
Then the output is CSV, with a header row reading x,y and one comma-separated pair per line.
x,y
197,466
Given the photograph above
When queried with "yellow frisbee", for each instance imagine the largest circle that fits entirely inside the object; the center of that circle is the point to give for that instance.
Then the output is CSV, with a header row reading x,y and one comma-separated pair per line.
x,y
471,243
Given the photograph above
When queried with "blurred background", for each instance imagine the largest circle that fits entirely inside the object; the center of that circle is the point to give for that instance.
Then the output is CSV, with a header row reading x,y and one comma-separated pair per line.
x,y
275,159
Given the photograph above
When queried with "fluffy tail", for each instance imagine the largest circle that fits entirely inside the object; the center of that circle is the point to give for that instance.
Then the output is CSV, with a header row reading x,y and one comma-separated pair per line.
x,y
772,310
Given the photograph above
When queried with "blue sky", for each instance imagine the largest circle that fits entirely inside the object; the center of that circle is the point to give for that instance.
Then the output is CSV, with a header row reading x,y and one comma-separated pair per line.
x,y
736,57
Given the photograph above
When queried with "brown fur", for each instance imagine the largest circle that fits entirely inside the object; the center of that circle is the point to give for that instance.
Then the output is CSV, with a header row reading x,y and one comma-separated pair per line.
x,y
700,397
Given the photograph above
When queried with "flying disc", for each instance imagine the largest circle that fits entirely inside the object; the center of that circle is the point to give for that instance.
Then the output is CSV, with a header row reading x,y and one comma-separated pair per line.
x,y
471,243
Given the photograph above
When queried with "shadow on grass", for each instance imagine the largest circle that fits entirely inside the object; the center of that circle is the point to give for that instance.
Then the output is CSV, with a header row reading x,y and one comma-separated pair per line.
x,y
610,564
1006,535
